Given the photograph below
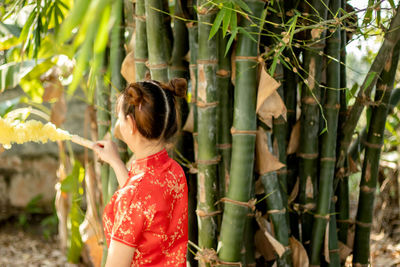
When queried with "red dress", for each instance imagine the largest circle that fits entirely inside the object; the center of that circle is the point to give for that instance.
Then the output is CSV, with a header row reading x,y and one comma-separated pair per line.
x,y
150,212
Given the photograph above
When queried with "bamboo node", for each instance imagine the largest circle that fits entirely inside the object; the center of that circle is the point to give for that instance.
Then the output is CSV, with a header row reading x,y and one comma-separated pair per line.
x,y
223,73
202,104
215,160
156,66
141,60
309,100
251,204
282,211
331,159
141,18
345,221
328,106
324,217
371,145
207,61
210,256
224,146
202,213
363,224
307,155
367,189
246,58
247,132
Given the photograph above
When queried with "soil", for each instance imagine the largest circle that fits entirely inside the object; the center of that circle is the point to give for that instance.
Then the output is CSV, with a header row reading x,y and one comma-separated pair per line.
x,y
28,245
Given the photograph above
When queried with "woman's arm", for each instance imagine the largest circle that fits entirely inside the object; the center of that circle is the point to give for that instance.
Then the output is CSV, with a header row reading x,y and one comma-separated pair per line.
x,y
107,151
119,254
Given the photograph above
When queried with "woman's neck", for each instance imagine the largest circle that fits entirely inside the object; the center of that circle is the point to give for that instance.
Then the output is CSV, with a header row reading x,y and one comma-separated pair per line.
x,y
143,148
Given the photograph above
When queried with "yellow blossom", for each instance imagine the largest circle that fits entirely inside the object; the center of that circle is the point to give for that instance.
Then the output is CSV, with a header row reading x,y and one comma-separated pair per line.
x,y
29,131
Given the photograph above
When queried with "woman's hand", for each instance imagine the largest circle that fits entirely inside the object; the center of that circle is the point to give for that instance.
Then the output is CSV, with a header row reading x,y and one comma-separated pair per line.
x,y
107,151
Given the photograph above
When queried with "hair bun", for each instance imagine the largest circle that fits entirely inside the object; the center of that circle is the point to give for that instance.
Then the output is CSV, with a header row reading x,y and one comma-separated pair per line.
x,y
135,95
178,86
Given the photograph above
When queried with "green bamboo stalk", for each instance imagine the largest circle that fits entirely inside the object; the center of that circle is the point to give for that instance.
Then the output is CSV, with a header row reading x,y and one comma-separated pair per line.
x,y
328,142
343,201
248,251
102,116
224,114
156,40
334,257
140,41
206,107
391,37
243,140
310,119
276,202
117,82
371,160
178,65
192,182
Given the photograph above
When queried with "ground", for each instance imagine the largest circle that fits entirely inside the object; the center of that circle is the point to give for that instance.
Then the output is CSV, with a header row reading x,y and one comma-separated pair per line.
x,y
27,246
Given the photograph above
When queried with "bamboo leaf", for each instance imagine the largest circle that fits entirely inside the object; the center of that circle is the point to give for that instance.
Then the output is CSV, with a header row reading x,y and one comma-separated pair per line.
x,y
299,254
243,5
12,73
217,23
227,19
368,14
73,19
230,41
242,30
7,105
278,247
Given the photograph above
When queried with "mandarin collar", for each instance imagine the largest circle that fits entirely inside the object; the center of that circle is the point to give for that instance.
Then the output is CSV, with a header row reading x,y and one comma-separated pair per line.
x,y
149,162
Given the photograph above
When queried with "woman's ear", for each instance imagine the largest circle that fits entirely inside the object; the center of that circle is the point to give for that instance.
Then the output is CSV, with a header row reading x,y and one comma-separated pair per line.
x,y
131,124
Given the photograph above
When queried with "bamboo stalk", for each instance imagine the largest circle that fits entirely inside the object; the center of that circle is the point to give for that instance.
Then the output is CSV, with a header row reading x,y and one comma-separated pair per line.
x,y
391,37
192,183
343,202
276,209
117,81
156,40
206,106
371,159
328,142
140,41
310,119
224,113
243,141
334,257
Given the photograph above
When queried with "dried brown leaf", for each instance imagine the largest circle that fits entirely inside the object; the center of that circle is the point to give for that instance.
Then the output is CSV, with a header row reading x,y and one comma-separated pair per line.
x,y
344,251
233,63
309,188
53,89
326,244
266,87
128,68
259,187
368,172
264,246
201,84
189,124
353,166
316,33
58,111
265,161
278,247
299,254
272,107
1,149
294,140
295,191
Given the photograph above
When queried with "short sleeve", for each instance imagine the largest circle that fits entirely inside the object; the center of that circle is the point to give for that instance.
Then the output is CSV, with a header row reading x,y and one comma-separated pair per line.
x,y
129,218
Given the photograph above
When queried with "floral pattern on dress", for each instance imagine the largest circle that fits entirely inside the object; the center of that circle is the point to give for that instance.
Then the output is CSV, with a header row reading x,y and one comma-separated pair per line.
x,y
150,212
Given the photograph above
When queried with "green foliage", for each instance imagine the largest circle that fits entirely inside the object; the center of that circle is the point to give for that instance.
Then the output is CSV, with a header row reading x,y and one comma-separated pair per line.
x,y
73,184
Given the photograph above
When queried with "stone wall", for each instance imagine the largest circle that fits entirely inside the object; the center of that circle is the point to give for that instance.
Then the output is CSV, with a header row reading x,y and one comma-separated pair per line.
x,y
29,169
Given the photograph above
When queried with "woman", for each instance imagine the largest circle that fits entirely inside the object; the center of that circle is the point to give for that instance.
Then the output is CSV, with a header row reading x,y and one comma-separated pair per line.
x,y
145,222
